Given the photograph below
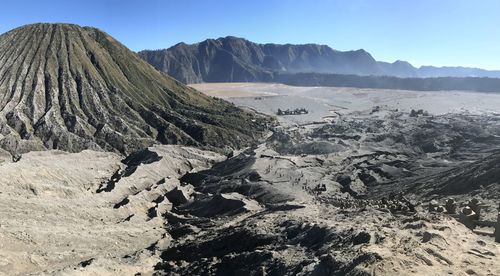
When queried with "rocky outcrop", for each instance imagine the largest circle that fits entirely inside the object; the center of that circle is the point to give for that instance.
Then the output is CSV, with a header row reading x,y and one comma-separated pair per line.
x,y
72,88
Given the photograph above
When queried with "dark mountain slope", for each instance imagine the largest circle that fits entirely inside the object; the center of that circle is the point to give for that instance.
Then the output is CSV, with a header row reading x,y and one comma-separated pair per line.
x,y
72,88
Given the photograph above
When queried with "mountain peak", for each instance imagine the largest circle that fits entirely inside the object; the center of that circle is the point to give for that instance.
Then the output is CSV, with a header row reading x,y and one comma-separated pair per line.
x,y
230,37
73,88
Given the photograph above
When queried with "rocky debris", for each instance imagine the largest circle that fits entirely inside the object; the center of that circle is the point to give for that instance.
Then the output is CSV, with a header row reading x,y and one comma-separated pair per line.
x,y
145,156
475,206
451,206
246,249
86,262
131,162
435,207
348,186
397,204
220,205
395,214
469,215
420,112
387,228
184,230
122,203
361,238
179,195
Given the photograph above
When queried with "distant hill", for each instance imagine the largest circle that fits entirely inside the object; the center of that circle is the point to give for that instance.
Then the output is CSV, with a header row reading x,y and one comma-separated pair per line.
x,y
232,59
73,88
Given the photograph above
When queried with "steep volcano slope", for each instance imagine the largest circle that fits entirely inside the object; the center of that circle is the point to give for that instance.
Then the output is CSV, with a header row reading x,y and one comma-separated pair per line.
x,y
72,88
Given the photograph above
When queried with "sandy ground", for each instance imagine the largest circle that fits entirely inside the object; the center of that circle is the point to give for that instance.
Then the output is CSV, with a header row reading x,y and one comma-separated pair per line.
x,y
323,102
59,224
305,201
52,220
243,90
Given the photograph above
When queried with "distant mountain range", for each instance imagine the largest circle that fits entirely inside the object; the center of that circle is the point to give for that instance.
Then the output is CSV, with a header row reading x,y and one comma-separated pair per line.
x,y
232,59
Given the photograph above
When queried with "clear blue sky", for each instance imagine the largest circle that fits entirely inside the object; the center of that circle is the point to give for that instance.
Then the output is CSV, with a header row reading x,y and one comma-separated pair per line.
x,y
423,32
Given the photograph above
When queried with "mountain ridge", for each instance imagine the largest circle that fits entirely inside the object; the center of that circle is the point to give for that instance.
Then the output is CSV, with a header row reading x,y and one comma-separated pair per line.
x,y
245,60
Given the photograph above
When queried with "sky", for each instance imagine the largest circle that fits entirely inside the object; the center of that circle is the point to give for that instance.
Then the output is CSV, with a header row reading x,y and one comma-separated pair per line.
x,y
423,32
